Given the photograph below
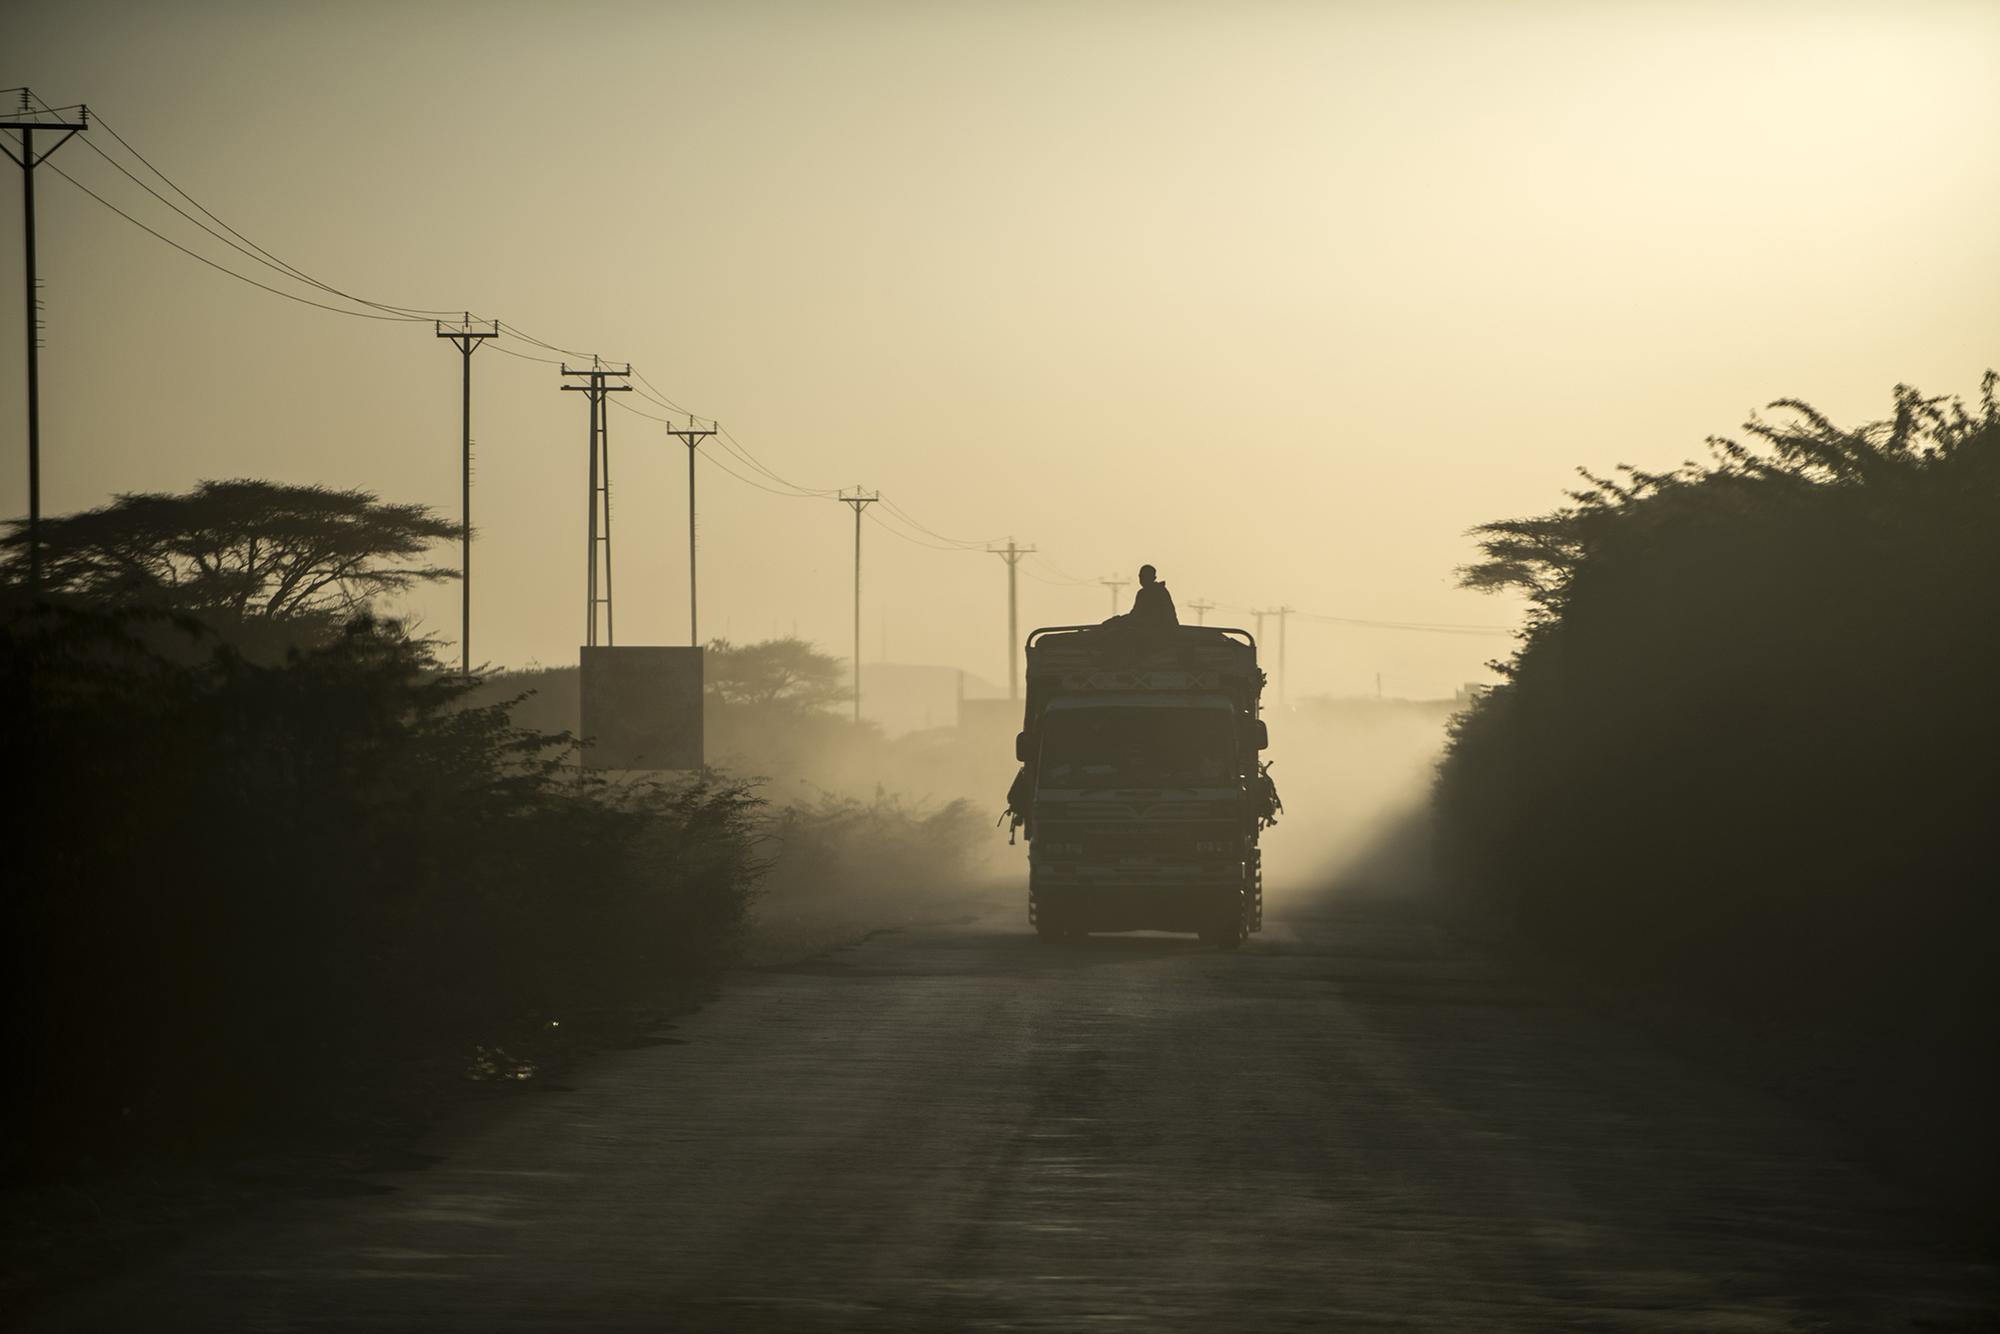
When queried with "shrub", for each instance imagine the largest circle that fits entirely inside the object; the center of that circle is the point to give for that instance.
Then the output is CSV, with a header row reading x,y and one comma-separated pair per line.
x,y
1744,755
248,885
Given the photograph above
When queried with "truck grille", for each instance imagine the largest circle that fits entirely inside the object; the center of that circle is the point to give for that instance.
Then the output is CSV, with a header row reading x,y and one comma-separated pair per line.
x,y
1205,840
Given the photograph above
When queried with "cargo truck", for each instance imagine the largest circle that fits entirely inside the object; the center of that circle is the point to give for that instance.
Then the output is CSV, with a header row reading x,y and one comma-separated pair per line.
x,y
1140,792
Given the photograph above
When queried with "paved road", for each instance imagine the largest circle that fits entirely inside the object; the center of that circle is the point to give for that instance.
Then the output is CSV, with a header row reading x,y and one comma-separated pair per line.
x,y
1356,1123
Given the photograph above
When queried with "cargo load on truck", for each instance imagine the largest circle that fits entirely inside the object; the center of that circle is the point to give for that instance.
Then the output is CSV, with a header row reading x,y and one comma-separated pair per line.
x,y
1140,791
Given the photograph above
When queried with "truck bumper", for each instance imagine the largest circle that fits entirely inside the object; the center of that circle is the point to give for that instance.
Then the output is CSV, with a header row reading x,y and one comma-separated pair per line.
x,y
1128,902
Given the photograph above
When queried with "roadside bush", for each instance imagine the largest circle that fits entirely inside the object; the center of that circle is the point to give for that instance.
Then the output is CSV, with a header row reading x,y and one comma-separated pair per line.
x,y
836,843
1744,756
249,889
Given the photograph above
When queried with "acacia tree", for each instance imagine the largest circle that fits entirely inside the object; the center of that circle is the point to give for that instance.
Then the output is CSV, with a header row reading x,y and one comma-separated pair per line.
x,y
250,550
788,674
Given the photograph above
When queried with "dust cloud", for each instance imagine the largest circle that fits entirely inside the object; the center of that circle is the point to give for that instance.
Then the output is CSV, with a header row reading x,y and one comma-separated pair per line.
x,y
1355,775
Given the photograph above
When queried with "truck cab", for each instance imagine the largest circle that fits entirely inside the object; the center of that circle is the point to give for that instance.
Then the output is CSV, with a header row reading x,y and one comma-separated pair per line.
x,y
1140,790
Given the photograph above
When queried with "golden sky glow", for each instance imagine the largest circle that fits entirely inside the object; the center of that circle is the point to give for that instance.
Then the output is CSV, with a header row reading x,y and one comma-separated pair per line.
x,y
1281,298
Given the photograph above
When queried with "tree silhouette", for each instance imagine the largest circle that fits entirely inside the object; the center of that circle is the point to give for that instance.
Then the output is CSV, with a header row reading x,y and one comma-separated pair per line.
x,y
782,673
1743,759
246,549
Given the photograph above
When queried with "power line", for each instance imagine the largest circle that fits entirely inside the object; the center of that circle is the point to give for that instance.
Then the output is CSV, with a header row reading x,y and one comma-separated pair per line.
x,y
1050,583
1062,576
1441,628
913,541
664,401
1419,627
751,481
967,543
635,411
508,351
762,476
254,250
259,254
743,455
223,268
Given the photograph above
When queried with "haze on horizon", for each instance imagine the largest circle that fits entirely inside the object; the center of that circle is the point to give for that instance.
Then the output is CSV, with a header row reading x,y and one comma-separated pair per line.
x,y
1280,298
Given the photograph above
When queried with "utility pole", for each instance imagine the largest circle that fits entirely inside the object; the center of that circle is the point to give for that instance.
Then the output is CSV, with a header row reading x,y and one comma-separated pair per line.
x,y
692,438
1201,611
1283,682
597,383
25,122
466,339
1260,615
858,501
1114,585
1012,555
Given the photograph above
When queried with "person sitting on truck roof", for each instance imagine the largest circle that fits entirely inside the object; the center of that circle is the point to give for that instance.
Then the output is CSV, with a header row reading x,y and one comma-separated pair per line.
x,y
1152,605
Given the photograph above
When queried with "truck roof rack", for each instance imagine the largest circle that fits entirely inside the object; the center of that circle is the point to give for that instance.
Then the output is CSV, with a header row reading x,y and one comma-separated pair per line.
x,y
1248,638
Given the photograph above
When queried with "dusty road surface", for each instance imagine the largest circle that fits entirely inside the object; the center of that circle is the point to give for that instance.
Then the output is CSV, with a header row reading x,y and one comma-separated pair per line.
x,y
1355,1123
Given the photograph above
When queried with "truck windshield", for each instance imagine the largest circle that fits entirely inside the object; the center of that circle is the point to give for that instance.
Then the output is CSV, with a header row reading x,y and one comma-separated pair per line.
x,y
1113,746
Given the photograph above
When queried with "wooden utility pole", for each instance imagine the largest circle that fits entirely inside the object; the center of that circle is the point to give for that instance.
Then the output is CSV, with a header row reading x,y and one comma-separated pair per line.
x,y
1012,555
25,122
858,500
1114,585
1201,611
692,438
597,383
1282,613
467,339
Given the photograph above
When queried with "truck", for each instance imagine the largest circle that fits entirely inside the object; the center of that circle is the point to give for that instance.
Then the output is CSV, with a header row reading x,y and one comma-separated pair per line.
x,y
1140,792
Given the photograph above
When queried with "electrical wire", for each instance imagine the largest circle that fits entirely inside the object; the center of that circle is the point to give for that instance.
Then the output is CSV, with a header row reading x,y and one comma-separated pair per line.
x,y
1062,576
524,356
665,402
924,539
747,481
526,337
925,536
913,541
1417,627
1052,583
742,451
289,296
910,519
254,251
1436,628
245,250
651,417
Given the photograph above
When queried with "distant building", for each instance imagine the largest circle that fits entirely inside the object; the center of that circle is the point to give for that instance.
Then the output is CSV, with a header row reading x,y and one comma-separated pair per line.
x,y
998,717
902,697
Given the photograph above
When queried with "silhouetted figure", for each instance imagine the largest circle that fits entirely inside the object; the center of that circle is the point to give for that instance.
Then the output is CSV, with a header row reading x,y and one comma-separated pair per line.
x,y
1152,605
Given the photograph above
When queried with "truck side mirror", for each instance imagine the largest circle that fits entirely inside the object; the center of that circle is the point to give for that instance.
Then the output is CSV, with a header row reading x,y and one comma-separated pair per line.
x,y
1260,734
1023,747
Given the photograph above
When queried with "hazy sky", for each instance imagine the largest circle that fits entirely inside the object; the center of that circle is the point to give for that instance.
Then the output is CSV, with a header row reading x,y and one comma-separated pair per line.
x,y
1282,298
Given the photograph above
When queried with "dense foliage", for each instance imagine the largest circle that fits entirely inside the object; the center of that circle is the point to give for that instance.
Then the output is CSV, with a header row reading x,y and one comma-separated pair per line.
x,y
237,552
781,675
1745,753
247,885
